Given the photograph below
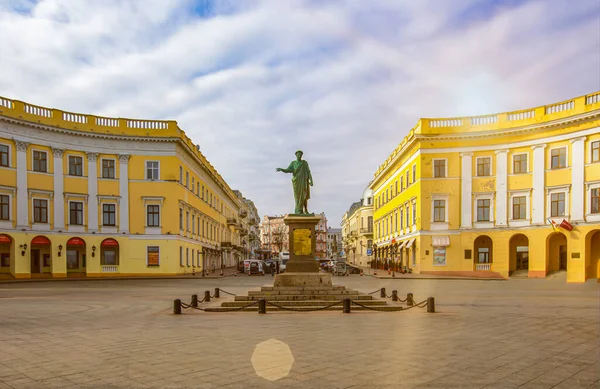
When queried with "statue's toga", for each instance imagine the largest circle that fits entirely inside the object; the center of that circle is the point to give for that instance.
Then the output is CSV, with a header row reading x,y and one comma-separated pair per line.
x,y
301,181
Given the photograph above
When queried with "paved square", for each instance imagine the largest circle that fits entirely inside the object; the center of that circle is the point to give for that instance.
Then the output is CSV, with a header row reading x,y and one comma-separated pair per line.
x,y
122,334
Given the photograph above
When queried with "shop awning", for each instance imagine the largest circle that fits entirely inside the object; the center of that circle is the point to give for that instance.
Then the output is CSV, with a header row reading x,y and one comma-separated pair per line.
x,y
409,243
40,240
4,239
75,242
402,245
440,241
110,243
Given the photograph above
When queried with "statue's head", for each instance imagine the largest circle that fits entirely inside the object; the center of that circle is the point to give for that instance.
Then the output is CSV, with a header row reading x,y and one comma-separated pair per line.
x,y
299,154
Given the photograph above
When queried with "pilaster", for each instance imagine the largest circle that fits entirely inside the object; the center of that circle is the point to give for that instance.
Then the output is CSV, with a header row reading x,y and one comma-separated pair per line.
x,y
92,219
124,192
22,209
466,190
501,187
577,178
59,202
538,196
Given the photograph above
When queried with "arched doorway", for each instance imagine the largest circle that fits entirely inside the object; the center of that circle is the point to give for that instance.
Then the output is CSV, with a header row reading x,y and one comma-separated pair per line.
x,y
109,256
556,247
483,248
76,257
7,254
519,254
592,257
41,255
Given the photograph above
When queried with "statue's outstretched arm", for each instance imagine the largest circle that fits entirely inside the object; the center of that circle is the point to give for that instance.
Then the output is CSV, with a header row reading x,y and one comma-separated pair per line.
x,y
289,169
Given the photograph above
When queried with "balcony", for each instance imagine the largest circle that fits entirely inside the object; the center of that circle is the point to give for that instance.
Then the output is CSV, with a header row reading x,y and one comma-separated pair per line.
x,y
483,267
353,234
366,231
110,268
231,221
225,243
243,214
243,232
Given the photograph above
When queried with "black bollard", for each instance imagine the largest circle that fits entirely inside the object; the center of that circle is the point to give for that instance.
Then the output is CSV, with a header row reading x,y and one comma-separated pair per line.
x,y
394,295
409,300
430,305
207,296
217,293
262,306
177,307
382,293
347,303
194,301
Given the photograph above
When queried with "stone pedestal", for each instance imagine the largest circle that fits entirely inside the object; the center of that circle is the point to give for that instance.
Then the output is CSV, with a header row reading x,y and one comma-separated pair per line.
x,y
302,269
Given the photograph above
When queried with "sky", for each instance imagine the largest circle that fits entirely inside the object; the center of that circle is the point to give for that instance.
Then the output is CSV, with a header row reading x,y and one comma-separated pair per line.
x,y
252,81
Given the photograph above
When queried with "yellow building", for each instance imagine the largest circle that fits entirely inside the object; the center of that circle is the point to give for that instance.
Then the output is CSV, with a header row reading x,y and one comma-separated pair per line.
x,y
357,230
83,195
479,195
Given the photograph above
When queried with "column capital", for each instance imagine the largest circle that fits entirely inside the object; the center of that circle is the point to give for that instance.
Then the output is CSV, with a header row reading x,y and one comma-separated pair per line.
x,y
124,158
502,151
21,145
58,153
542,146
579,139
92,157
466,154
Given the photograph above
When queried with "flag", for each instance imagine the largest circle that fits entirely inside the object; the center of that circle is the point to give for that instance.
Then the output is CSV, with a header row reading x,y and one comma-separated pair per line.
x,y
566,225
554,225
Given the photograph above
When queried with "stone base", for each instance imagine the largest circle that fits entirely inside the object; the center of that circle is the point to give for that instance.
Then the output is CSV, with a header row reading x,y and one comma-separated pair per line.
x,y
296,265
288,279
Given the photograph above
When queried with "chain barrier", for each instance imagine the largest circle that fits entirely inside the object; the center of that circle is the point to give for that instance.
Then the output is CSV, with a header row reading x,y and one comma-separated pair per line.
x,y
233,309
374,308
224,291
305,309
376,291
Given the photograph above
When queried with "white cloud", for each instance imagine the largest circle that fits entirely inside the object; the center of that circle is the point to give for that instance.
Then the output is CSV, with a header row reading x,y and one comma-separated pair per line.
x,y
251,82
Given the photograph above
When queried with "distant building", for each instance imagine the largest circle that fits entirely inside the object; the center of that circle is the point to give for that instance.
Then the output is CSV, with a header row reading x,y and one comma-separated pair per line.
x,y
334,243
357,230
274,234
321,237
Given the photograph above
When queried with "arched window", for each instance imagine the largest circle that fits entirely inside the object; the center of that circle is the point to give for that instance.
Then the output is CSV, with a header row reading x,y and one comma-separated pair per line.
x,y
109,252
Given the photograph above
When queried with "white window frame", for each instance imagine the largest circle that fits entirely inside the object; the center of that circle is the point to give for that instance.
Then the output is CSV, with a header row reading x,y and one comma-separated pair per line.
x,y
512,222
433,225
147,247
588,151
589,216
180,256
47,161
159,216
187,257
445,167
83,175
483,196
102,169
566,147
181,174
566,189
102,204
146,170
48,213
414,216
527,163
9,223
10,147
153,200
84,224
491,165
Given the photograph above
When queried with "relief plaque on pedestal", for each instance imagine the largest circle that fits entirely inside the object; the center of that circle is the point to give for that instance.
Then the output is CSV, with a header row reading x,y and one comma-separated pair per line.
x,y
302,241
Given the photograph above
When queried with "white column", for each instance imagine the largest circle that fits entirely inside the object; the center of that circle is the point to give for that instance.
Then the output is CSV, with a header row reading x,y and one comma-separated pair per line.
x,y
124,192
501,187
466,190
577,181
22,201
92,219
539,192
59,201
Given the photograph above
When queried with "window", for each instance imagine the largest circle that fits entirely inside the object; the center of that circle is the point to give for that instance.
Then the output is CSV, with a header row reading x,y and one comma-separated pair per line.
x,y
414,215
187,221
407,179
520,163
387,195
75,166
401,183
558,158
519,207
483,210
198,225
109,214
439,210
5,260
557,204
439,168
414,179
595,201
153,256
153,218
180,256
4,208
439,256
40,211
193,184
40,161
187,179
407,215
401,218
484,166
193,224
76,213
181,175
595,152
187,257
108,168
198,189
483,255
202,192
152,170
396,188
180,219
4,155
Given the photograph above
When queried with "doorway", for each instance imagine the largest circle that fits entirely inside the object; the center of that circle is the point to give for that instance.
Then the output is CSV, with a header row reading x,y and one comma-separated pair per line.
x,y
35,261
556,249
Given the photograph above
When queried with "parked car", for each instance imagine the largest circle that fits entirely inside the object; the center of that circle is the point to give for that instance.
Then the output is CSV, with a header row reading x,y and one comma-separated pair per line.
x,y
351,269
282,265
256,267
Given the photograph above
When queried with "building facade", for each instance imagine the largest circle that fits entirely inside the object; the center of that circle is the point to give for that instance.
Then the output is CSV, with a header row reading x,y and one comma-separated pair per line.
x,y
254,230
501,194
83,195
334,243
357,230
321,237
274,235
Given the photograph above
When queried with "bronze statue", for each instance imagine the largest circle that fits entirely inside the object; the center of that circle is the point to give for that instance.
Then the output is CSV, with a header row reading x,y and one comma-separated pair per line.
x,y
301,181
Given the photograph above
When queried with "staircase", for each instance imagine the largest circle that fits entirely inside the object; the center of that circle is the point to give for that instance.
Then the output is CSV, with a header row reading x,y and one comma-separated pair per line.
x,y
303,299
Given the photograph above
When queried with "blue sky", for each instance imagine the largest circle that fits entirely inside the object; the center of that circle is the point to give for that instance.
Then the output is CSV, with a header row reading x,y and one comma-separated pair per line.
x,y
251,81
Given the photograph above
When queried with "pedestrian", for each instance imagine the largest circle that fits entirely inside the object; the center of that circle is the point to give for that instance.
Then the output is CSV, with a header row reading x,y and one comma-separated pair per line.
x,y
272,269
214,267
277,267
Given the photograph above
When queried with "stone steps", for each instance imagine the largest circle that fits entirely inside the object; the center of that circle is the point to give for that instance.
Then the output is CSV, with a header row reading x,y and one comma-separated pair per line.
x,y
305,303
301,288
337,308
302,293
304,297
